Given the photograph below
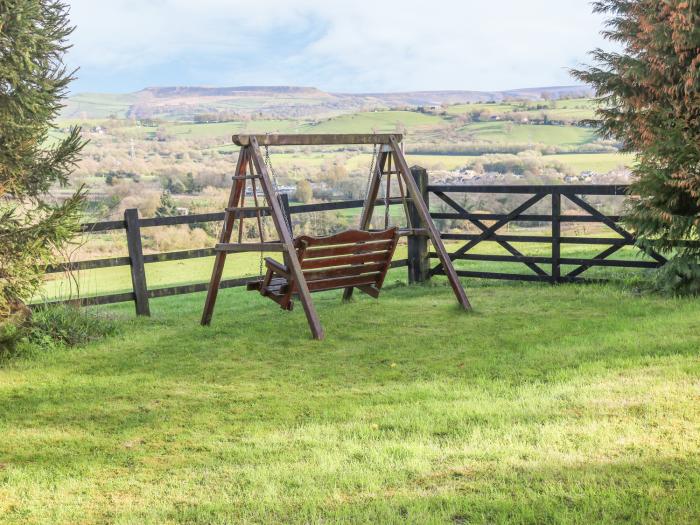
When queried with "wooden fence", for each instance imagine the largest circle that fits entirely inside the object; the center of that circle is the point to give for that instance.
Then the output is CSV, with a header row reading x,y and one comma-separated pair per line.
x,y
574,194
418,260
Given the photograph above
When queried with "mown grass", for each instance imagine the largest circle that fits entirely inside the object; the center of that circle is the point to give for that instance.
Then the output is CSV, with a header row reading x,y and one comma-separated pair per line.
x,y
568,404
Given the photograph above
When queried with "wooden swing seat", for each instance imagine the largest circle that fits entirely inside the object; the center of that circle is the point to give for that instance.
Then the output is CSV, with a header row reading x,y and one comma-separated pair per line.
x,y
352,258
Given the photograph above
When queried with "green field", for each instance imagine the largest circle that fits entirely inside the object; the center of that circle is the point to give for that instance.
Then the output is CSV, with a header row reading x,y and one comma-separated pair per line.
x,y
599,162
508,132
577,109
496,109
380,121
568,404
97,105
417,125
226,129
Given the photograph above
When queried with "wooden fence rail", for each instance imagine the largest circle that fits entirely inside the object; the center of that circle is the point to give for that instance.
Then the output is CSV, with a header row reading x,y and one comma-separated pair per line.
x,y
418,260
136,260
537,194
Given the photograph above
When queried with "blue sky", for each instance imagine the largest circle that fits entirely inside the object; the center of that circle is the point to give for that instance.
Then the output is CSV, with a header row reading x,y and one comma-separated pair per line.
x,y
335,45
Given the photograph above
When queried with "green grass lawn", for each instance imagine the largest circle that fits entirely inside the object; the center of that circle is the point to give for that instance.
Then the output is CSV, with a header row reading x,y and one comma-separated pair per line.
x,y
567,404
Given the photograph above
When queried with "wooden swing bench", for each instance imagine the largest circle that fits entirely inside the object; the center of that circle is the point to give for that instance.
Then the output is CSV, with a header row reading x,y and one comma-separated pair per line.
x,y
351,258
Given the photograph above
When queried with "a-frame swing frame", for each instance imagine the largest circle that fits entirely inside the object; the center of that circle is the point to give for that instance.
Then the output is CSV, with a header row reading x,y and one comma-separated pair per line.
x,y
251,165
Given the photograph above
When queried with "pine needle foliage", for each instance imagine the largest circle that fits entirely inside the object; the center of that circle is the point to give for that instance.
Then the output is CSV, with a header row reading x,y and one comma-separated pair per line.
x,y
33,83
650,102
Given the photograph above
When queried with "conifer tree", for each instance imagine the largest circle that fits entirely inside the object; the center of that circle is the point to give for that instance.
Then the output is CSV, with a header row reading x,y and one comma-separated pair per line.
x,y
33,83
167,207
650,94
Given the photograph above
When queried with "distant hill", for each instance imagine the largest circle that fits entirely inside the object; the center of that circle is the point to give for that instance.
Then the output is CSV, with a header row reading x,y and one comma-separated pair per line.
x,y
184,102
424,98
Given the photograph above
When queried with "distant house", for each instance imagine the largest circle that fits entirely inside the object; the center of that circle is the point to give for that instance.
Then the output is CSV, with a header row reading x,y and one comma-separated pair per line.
x,y
318,186
259,192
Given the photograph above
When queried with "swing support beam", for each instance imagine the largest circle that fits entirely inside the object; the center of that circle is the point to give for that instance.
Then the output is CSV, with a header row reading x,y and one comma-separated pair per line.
x,y
389,157
317,139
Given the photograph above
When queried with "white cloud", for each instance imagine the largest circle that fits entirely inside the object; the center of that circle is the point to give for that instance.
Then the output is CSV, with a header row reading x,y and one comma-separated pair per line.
x,y
357,45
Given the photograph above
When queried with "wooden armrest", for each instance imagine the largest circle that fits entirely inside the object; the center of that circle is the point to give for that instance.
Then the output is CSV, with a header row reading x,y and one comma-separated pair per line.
x,y
276,266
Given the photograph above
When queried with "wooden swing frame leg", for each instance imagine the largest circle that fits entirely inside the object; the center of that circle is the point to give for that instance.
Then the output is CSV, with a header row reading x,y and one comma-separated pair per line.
x,y
237,190
433,233
286,238
370,199
399,161
250,155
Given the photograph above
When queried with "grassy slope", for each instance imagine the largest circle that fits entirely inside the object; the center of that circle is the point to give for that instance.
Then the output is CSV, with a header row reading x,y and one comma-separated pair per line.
x,y
381,121
600,162
561,109
529,133
97,105
574,404
461,109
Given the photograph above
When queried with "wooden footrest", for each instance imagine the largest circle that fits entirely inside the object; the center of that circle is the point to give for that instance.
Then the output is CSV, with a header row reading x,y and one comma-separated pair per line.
x,y
253,286
276,290
276,285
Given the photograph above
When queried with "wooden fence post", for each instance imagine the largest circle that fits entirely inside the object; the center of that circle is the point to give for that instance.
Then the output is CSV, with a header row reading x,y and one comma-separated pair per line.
x,y
556,236
138,270
287,211
418,260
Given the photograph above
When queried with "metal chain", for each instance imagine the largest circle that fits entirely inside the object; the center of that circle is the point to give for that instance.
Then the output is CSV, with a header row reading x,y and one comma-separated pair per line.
x,y
260,267
387,195
387,203
371,170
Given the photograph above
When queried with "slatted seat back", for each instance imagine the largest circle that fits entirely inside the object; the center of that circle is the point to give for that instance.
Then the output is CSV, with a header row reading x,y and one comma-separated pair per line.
x,y
350,258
